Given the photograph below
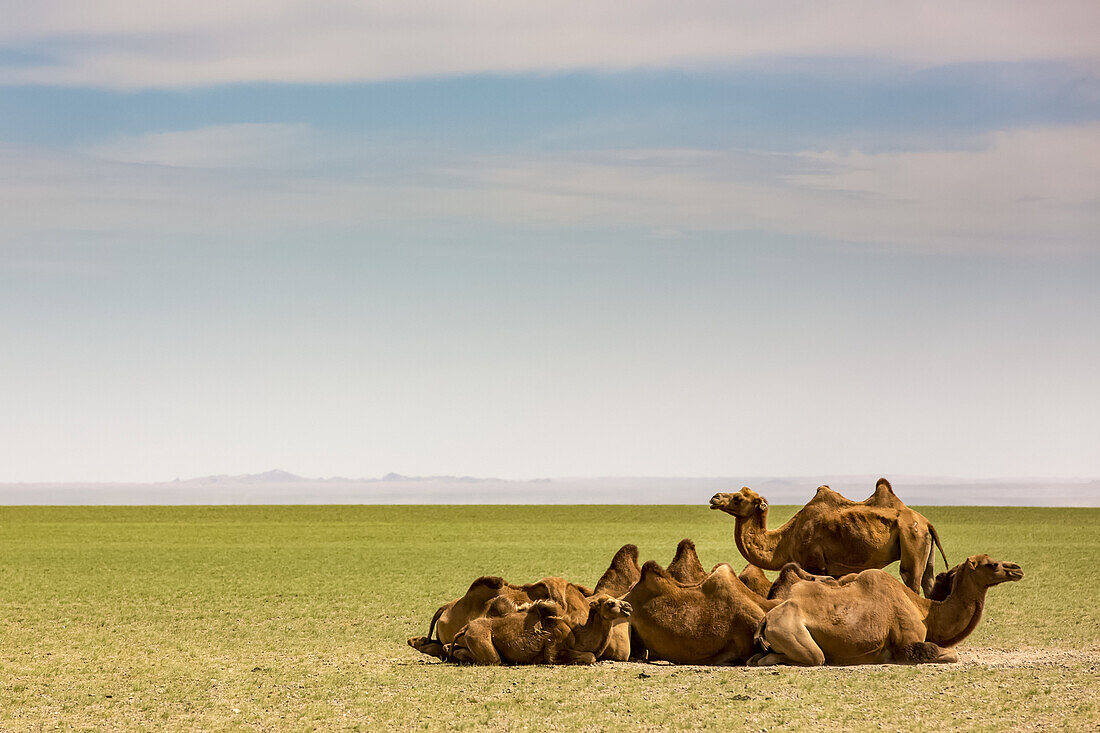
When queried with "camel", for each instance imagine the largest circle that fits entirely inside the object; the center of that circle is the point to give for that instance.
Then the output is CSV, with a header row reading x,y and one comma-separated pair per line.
x,y
710,622
617,580
537,633
532,634
489,595
834,536
585,644
492,596
871,618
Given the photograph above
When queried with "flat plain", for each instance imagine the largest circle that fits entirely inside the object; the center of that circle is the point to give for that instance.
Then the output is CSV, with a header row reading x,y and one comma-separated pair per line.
x,y
295,618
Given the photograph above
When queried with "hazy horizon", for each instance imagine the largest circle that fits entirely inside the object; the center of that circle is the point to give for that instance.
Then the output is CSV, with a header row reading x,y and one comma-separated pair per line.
x,y
510,239
281,487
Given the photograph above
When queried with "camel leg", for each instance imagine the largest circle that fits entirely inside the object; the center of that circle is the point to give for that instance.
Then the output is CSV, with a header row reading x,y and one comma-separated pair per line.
x,y
914,560
424,645
478,641
571,657
789,638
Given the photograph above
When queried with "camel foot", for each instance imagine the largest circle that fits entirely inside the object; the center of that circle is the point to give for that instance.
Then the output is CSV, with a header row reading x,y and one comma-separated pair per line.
x,y
424,645
764,659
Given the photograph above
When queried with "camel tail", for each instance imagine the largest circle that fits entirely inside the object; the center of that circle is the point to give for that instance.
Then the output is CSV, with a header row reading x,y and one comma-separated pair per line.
x,y
936,539
431,627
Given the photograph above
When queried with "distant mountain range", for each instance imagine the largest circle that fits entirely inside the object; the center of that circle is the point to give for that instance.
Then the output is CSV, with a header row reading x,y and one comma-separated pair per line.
x,y
278,476
282,487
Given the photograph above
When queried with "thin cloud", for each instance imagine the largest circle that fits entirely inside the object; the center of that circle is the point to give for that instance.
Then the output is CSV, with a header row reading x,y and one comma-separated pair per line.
x,y
1028,190
136,44
255,145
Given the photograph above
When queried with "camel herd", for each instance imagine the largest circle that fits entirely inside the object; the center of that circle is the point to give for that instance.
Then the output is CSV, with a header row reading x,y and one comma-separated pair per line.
x,y
830,604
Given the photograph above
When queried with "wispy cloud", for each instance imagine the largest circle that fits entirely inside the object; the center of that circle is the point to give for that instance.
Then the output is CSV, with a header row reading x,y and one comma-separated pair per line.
x,y
256,145
1025,190
136,44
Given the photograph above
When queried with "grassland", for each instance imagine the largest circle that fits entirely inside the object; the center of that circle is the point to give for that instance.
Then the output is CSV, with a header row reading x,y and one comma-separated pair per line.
x,y
295,618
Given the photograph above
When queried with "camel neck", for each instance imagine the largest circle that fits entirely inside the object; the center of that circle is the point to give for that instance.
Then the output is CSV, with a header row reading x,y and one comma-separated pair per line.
x,y
594,635
951,620
755,542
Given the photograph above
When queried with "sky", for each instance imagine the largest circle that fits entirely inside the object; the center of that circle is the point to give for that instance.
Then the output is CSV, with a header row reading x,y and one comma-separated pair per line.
x,y
522,239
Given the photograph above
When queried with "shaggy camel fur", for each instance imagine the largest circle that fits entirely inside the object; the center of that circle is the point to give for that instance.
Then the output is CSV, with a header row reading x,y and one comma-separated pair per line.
x,y
685,566
489,595
711,622
533,634
492,596
870,618
537,633
618,579
622,573
834,536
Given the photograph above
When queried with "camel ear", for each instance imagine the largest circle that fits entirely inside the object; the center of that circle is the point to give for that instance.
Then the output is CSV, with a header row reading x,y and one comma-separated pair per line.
x,y
971,563
594,602
761,503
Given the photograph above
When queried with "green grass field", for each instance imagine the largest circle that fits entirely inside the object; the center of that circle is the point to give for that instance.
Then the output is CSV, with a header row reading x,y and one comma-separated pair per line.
x,y
295,618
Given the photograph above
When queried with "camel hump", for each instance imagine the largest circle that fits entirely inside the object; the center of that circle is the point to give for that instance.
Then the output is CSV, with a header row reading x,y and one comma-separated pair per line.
x,y
627,554
622,573
492,582
684,545
651,567
884,485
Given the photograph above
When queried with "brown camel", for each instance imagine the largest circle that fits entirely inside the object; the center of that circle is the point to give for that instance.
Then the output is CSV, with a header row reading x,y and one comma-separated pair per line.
x,y
871,618
488,596
493,597
585,644
834,536
617,580
533,634
711,622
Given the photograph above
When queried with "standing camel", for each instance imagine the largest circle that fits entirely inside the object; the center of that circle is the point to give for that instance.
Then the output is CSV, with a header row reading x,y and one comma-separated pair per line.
x,y
835,536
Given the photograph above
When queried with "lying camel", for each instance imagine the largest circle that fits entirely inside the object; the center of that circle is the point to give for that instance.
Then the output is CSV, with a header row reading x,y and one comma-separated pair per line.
x,y
532,634
711,622
492,596
585,644
488,596
871,618
617,580
537,633
834,536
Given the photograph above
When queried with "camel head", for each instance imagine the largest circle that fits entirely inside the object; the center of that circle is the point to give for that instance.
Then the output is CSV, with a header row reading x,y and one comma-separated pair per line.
x,y
608,607
987,571
744,503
